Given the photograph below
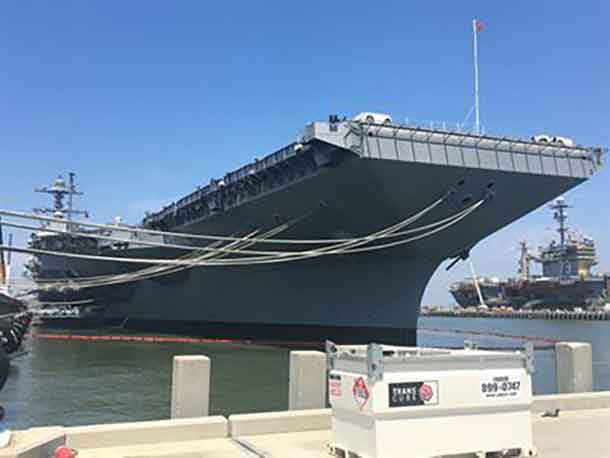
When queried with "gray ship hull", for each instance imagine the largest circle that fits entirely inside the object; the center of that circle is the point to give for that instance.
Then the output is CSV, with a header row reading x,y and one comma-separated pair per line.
x,y
467,295
348,298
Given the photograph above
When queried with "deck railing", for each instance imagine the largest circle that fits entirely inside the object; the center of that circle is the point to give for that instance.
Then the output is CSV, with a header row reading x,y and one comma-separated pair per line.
x,y
436,146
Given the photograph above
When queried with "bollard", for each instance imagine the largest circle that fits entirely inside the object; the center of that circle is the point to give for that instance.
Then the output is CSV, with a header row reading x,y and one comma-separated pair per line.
x,y
307,384
574,367
190,386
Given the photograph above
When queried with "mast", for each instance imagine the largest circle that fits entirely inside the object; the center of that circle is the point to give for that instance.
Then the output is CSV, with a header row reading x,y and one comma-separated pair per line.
x,y
476,28
524,261
59,190
561,216
3,279
72,189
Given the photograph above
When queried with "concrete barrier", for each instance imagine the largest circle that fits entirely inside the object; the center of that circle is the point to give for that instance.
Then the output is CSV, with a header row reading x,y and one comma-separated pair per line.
x,y
146,432
279,422
34,443
571,401
574,367
307,382
190,386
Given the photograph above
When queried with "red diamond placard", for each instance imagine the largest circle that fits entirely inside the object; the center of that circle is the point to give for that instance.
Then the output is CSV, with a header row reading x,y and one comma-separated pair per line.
x,y
360,392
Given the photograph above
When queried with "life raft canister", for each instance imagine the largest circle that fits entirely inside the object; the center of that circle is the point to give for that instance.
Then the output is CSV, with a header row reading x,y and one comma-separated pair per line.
x,y
64,452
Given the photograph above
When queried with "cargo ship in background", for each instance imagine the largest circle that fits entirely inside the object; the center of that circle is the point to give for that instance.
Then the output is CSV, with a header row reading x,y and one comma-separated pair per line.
x,y
566,280
334,236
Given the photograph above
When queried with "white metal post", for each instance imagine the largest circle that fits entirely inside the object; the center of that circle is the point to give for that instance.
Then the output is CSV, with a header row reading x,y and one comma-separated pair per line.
x,y
476,77
476,285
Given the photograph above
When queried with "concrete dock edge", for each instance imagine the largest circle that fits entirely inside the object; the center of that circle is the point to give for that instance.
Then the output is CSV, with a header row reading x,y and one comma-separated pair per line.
x,y
146,432
34,443
571,401
279,422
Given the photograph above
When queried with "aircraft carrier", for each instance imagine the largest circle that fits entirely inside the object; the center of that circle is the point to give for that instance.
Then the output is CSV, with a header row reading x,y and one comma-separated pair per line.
x,y
566,280
402,199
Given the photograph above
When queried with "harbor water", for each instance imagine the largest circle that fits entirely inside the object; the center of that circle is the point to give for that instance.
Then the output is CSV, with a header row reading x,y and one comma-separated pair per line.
x,y
83,382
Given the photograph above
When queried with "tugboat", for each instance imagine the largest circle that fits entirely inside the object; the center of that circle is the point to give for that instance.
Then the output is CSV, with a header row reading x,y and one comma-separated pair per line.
x,y
566,282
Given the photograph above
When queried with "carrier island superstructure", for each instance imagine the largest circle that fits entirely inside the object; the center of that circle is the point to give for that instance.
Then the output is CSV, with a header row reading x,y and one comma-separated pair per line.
x,y
343,180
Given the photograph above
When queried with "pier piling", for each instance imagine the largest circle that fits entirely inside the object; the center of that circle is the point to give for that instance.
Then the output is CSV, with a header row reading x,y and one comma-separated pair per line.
x,y
190,386
307,384
574,367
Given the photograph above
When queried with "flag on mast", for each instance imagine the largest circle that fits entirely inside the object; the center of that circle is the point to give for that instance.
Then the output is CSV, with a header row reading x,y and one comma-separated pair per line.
x,y
479,25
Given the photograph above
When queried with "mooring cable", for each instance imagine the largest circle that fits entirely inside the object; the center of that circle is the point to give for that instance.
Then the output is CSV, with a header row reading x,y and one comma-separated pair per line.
x,y
140,230
139,275
279,257
205,247
156,271
283,254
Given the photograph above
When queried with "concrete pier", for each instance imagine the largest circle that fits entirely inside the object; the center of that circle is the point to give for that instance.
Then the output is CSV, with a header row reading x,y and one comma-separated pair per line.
x,y
307,383
146,432
564,425
190,386
574,367
303,434
557,314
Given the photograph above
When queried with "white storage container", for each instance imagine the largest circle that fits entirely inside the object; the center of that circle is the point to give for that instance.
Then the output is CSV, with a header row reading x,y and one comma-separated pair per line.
x,y
410,402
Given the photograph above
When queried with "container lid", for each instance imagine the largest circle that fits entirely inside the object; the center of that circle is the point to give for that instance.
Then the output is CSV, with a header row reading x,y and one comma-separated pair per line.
x,y
376,359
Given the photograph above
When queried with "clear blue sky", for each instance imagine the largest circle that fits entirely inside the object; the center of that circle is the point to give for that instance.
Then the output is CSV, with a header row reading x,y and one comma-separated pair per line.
x,y
147,99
